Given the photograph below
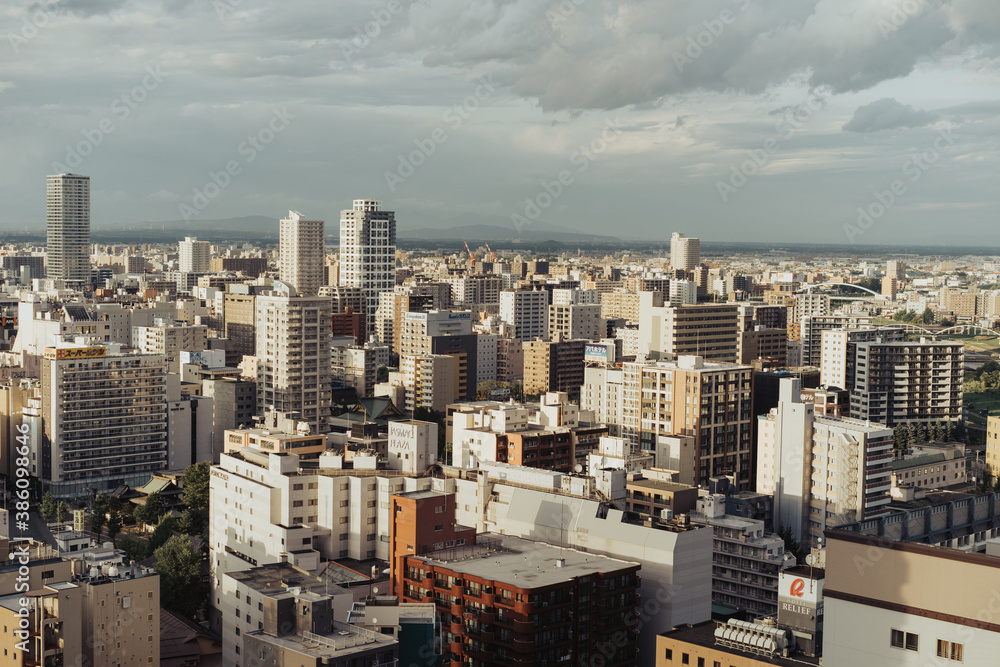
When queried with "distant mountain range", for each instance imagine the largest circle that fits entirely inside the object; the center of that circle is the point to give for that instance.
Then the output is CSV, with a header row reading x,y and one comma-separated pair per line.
x,y
461,228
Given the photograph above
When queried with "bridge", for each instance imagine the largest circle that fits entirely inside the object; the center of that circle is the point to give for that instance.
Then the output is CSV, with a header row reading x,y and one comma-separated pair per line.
x,y
858,287
962,329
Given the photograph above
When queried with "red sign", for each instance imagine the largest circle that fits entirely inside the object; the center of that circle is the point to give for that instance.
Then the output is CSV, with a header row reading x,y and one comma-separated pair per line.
x,y
798,586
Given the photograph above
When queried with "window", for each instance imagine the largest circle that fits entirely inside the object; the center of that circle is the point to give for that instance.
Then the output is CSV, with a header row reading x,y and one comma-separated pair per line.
x,y
949,650
904,640
685,659
670,654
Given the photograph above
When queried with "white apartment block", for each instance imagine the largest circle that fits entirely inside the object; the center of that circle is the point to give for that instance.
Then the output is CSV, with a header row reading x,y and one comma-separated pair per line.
x,y
169,339
486,357
565,297
68,228
475,291
576,322
368,251
685,252
812,328
104,415
710,331
603,394
683,292
194,256
527,312
822,471
265,509
293,355
301,253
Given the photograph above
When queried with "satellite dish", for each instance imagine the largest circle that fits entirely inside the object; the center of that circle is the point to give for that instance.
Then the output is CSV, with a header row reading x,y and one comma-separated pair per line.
x,y
809,559
375,590
578,467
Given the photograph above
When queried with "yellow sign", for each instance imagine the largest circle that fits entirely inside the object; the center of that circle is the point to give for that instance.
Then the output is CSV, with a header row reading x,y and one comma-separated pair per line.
x,y
78,520
75,352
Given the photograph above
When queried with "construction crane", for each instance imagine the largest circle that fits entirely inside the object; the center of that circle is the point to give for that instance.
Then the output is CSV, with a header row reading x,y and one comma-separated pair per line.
x,y
472,255
493,255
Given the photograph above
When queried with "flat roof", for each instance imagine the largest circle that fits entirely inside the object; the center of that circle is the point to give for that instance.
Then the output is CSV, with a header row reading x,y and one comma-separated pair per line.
x,y
522,563
704,635
660,485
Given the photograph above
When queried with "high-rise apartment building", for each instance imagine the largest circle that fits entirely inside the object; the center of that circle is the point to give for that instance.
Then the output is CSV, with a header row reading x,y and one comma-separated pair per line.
x,y
838,352
240,318
911,381
68,228
685,252
194,256
895,269
104,418
293,355
553,365
302,256
710,331
823,471
811,328
527,311
576,320
694,414
368,251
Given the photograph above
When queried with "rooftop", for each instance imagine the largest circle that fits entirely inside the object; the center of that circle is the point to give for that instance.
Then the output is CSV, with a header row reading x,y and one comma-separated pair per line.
x,y
659,485
343,641
704,635
522,563
282,580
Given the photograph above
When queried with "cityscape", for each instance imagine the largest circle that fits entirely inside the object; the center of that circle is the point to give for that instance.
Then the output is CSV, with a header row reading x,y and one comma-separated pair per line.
x,y
423,333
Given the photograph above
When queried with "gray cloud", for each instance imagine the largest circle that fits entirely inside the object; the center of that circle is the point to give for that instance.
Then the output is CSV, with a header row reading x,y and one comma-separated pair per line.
x,y
887,114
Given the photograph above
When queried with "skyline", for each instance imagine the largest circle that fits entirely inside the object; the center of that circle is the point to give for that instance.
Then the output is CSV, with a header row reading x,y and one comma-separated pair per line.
x,y
639,114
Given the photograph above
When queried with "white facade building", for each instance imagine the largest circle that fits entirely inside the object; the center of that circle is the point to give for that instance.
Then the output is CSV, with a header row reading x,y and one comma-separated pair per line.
x,y
368,251
301,253
194,256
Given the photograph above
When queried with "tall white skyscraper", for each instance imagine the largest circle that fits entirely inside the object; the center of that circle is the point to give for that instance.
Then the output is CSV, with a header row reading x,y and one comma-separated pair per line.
x,y
368,251
293,355
301,253
194,256
685,253
68,227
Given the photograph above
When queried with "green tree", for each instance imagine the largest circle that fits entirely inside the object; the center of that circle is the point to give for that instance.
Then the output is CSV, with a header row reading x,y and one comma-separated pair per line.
x,y
151,510
195,485
47,507
791,544
937,433
948,430
98,515
922,432
114,525
135,548
901,436
179,567
959,432
194,522
164,531
62,511
382,374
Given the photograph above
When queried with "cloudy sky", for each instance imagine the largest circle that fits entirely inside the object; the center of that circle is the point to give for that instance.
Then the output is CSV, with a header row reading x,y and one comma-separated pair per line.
x,y
871,121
